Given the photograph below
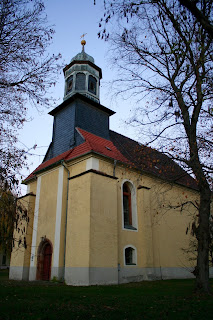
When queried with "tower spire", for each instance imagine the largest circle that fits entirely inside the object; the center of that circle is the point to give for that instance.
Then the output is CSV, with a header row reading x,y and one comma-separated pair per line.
x,y
83,41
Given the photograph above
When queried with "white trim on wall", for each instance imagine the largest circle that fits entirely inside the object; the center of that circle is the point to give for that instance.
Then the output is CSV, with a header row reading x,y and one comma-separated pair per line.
x,y
58,218
134,255
28,188
92,163
35,223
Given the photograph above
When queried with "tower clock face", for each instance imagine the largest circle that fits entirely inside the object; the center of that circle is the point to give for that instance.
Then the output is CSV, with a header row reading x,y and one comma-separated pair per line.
x,y
69,84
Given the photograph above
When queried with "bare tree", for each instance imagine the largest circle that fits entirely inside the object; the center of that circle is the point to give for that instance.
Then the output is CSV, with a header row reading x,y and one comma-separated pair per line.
x,y
165,55
7,219
27,72
16,217
196,8
191,249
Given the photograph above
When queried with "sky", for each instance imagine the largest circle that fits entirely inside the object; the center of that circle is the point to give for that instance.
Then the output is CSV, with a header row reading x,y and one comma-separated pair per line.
x,y
71,19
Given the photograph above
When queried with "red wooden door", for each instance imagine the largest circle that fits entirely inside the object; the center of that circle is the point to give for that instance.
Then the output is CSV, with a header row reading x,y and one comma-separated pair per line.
x,y
47,262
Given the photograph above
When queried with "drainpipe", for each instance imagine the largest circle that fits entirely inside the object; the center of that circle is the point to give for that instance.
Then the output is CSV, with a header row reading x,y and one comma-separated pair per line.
x,y
65,230
115,162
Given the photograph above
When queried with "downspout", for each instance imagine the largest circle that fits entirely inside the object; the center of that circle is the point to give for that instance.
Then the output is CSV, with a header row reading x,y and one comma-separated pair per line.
x,y
115,162
65,228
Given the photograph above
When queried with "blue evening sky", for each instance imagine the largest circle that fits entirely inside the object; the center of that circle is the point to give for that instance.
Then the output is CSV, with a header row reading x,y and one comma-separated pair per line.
x,y
71,19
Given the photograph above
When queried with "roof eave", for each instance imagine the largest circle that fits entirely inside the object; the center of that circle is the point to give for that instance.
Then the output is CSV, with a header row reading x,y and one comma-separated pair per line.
x,y
83,62
110,158
85,99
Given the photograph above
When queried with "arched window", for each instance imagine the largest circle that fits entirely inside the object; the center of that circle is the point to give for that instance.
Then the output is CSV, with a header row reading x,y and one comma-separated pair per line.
x,y
92,85
130,256
129,206
80,81
69,84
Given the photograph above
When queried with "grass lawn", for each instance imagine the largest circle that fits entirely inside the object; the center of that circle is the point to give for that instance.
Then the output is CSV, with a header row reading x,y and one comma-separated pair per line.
x,y
170,299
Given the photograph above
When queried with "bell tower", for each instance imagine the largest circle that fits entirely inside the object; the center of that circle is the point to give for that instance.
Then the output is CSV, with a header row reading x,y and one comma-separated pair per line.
x,y
82,76
81,106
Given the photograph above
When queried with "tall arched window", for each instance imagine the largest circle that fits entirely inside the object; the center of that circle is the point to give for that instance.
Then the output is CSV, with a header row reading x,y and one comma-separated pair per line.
x,y
129,206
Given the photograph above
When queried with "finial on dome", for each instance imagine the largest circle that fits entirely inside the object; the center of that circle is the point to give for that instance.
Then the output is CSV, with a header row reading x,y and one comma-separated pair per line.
x,y
83,42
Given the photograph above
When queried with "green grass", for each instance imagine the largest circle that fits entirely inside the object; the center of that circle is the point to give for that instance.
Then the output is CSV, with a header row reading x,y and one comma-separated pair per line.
x,y
171,299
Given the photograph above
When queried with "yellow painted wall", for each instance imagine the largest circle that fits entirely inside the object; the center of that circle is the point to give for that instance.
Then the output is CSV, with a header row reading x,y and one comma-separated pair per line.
x,y
32,186
161,233
47,208
170,224
78,222
95,236
103,222
77,166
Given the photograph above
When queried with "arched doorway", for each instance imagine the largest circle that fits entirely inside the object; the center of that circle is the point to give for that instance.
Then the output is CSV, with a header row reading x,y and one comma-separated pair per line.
x,y
44,260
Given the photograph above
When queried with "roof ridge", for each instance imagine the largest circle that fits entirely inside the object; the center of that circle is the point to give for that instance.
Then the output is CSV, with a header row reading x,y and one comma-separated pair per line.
x,y
94,134
141,144
91,139
89,144
85,139
78,130
68,154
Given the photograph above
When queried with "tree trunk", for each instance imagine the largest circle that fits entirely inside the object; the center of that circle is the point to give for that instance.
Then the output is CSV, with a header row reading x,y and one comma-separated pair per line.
x,y
202,234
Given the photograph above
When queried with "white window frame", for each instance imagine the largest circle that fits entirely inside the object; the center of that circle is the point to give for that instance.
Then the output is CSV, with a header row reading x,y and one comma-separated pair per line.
x,y
133,206
134,258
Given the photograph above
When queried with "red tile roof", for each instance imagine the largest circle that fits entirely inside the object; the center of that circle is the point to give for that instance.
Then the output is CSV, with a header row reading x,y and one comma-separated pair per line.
x,y
127,151
102,146
47,163
92,143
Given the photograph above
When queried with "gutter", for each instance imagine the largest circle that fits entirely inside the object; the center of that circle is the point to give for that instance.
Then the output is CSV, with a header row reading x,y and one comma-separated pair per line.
x,y
55,164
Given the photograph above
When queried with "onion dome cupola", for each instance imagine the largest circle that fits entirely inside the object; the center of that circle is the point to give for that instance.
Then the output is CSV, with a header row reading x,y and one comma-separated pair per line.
x,y
82,76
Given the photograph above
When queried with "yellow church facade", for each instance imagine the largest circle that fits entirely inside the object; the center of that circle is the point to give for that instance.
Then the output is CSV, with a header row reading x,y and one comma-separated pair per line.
x,y
101,209
82,218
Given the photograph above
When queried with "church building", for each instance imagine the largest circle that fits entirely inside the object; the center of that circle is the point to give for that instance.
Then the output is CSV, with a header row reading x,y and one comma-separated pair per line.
x,y
101,208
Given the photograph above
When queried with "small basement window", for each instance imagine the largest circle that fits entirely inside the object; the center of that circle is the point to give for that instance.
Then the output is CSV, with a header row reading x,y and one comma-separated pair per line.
x,y
130,256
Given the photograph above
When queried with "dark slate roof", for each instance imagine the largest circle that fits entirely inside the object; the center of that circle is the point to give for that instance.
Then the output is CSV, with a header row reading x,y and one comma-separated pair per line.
x,y
83,56
85,99
152,161
127,151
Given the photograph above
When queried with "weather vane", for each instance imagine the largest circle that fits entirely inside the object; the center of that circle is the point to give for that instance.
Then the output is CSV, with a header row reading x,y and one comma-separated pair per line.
x,y
83,42
83,35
